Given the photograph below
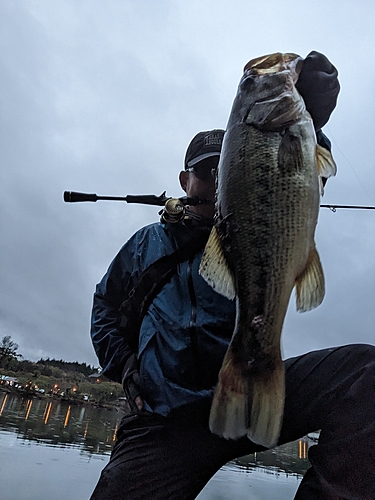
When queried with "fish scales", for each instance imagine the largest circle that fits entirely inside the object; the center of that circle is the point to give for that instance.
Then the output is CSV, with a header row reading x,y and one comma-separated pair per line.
x,y
262,227
262,245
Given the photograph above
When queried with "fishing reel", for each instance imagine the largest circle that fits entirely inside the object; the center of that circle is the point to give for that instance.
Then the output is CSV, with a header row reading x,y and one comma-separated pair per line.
x,y
175,211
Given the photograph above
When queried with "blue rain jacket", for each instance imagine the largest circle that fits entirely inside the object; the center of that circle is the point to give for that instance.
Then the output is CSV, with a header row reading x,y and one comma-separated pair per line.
x,y
184,334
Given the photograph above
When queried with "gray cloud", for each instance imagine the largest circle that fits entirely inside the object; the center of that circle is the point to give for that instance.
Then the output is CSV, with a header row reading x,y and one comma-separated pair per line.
x,y
104,97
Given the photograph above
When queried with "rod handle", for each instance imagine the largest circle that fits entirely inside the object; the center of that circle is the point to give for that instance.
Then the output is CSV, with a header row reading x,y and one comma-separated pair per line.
x,y
73,196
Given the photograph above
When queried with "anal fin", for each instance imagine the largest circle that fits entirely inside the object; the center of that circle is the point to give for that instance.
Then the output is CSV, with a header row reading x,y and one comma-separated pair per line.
x,y
310,286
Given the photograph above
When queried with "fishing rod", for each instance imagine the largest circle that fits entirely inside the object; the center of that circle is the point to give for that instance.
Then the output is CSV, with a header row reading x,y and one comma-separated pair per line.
x,y
145,199
173,206
359,207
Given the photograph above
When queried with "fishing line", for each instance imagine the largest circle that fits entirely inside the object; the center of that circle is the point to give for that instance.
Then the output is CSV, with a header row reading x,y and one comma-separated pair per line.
x,y
351,166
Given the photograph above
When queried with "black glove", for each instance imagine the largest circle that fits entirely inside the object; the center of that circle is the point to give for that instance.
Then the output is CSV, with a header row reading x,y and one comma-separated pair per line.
x,y
319,86
130,381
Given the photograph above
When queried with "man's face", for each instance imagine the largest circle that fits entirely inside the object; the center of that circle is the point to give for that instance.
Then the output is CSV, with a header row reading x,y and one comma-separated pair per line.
x,y
200,181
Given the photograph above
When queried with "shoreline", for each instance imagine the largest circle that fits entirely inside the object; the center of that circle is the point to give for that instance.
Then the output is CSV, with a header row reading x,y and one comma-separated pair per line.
x,y
70,400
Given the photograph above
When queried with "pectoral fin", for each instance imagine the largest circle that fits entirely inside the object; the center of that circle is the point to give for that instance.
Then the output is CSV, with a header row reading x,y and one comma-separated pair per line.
x,y
214,268
310,287
326,165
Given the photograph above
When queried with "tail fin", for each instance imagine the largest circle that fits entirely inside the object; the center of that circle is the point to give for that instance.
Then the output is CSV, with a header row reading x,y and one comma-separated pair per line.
x,y
247,405
267,408
229,410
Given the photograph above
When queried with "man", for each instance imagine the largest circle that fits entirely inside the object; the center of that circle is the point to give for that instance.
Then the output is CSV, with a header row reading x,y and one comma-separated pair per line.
x,y
158,328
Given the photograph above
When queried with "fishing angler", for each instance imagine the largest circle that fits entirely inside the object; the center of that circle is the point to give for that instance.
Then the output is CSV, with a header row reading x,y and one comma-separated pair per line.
x,y
162,330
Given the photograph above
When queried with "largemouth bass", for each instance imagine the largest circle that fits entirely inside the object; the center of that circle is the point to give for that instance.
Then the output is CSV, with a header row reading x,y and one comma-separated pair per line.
x,y
262,245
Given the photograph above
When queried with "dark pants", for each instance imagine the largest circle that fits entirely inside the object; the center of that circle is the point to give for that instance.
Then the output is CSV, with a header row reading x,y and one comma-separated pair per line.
x,y
332,390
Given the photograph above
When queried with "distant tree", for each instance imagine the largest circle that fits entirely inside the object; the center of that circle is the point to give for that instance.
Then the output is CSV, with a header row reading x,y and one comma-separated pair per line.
x,y
8,351
45,370
26,366
105,392
71,366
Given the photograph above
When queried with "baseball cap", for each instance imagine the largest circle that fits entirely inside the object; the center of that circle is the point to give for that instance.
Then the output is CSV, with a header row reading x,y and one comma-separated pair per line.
x,y
204,145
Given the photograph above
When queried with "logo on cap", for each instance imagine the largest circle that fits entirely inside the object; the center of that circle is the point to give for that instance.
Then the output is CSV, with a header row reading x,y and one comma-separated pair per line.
x,y
212,139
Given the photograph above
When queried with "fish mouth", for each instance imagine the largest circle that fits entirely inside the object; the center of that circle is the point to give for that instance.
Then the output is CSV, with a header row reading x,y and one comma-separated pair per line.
x,y
272,63
268,95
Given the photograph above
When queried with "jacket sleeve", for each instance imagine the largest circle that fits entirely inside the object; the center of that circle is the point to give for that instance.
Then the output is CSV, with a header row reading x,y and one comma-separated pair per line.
x,y
112,347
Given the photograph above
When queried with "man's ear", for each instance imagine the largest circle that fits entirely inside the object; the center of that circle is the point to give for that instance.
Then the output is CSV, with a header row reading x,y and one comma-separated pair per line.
x,y
184,179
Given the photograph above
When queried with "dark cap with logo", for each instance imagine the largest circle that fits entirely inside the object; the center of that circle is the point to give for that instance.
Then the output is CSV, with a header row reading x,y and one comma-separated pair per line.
x,y
204,145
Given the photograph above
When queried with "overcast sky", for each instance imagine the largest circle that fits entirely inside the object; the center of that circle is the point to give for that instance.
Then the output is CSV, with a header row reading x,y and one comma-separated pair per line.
x,y
104,97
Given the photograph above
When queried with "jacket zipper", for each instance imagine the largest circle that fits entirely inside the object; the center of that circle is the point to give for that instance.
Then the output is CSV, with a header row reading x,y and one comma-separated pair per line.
x,y
193,325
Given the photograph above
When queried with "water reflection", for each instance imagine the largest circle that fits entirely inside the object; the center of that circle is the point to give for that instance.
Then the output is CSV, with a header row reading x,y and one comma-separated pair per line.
x,y
290,458
5,397
56,423
73,443
93,430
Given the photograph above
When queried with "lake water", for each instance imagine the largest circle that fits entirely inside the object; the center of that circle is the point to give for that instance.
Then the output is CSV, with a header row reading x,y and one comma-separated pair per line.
x,y
52,450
